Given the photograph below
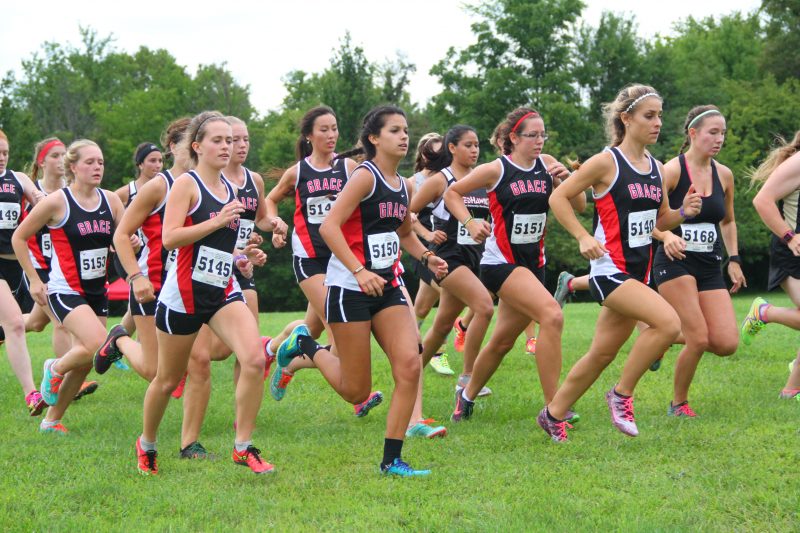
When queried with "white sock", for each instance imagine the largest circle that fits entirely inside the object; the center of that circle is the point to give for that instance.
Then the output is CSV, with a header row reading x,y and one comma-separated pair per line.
x,y
49,423
146,445
464,395
242,446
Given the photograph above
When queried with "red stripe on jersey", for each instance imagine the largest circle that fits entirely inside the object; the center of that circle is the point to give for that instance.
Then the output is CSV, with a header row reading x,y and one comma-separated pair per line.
x,y
155,266
229,288
608,218
66,259
541,248
300,227
354,235
185,263
649,267
33,241
500,228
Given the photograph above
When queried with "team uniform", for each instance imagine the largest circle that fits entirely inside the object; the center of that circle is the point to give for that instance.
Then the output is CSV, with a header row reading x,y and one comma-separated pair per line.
x,y
625,216
132,192
460,249
782,262
518,203
315,193
424,217
154,260
11,208
78,270
702,235
248,196
201,282
371,233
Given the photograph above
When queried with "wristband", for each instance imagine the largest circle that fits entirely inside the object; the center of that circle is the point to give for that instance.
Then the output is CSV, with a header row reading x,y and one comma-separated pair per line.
x,y
467,221
683,214
359,269
735,259
237,257
425,256
787,237
133,276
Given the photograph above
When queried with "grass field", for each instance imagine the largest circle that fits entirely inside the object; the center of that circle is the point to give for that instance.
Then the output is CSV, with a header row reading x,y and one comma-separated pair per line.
x,y
733,469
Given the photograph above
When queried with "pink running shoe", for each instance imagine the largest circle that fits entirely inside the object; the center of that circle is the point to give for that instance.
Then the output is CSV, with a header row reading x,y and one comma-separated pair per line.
x,y
530,346
461,335
557,430
178,392
269,358
621,410
35,403
682,410
786,394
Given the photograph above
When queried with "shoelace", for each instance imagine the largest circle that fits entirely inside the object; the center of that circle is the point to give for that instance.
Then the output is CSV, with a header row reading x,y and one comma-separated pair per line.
x,y
443,361
627,407
150,459
561,429
401,465
686,410
255,453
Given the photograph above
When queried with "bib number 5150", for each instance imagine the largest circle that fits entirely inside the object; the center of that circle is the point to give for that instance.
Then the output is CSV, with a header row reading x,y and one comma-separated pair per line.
x,y
384,249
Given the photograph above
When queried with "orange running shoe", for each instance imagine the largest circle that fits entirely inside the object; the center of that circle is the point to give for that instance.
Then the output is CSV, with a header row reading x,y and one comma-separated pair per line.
x,y
178,392
147,460
57,429
87,388
251,457
461,335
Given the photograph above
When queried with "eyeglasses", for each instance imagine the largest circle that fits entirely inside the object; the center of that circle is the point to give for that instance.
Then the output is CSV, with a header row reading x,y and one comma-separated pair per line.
x,y
535,135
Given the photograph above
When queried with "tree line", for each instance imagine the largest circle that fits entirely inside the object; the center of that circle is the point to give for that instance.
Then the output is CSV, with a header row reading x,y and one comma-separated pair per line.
x,y
525,52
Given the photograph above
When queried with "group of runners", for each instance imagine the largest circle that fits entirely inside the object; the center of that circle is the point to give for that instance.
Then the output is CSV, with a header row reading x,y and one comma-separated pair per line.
x,y
187,242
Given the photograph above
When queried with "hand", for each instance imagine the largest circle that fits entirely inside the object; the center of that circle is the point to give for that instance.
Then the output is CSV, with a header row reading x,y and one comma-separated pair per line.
x,y
136,242
255,255
558,171
278,241
38,195
436,237
692,203
591,248
674,246
245,267
370,283
279,226
794,245
479,230
143,290
255,238
38,291
229,213
737,277
438,266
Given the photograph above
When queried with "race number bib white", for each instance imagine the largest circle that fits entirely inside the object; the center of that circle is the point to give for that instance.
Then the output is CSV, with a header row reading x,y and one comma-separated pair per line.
x,y
245,231
47,245
213,267
171,257
384,248
463,234
640,227
318,208
699,237
528,229
93,263
9,215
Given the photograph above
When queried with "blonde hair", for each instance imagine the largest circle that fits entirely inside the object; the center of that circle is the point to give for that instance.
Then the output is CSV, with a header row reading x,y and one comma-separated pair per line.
x,y
174,134
775,158
626,101
73,155
196,131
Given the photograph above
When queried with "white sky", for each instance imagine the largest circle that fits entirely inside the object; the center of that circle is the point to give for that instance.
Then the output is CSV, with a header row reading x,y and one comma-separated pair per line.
x,y
263,40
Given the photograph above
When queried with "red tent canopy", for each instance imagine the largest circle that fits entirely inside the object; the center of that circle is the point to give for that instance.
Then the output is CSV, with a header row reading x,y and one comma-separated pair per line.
x,y
118,291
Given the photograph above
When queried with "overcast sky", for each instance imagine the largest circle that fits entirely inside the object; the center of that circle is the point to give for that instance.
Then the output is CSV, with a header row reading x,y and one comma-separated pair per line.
x,y
263,40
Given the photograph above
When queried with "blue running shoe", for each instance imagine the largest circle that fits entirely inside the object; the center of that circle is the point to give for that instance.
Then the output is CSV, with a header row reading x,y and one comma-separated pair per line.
x,y
402,469
289,349
277,385
51,382
367,405
121,365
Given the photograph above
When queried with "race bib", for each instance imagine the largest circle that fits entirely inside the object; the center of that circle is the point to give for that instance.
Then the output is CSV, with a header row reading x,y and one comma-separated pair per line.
x,y
171,257
9,215
384,249
213,267
245,231
318,208
699,237
528,229
640,227
93,263
463,234
47,245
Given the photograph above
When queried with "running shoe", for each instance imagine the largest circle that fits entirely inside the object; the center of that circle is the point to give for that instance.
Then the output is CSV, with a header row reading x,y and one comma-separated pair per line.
x,y
35,403
87,388
425,428
562,288
147,460
530,346
367,405
788,394
621,410
441,365
400,468
57,429
572,417
251,457
178,392
752,323
108,353
269,358
461,335
289,348
557,430
120,365
655,365
682,410
51,382
196,451
280,380
463,408
463,379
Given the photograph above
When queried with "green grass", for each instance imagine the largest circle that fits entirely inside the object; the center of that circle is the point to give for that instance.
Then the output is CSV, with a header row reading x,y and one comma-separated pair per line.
x,y
733,469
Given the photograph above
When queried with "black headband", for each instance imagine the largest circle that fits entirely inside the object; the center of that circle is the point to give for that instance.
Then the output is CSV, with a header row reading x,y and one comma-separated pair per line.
x,y
143,152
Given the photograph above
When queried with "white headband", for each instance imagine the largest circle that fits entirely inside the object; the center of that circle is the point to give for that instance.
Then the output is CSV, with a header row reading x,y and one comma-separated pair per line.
x,y
704,113
645,95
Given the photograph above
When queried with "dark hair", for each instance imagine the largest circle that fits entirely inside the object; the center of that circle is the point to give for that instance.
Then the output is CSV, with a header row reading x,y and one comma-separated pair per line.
x,y
302,147
35,168
196,131
626,102
425,149
141,153
443,157
501,138
174,134
693,113
372,125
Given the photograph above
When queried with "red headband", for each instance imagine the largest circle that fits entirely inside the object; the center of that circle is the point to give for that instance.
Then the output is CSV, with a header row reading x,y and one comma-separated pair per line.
x,y
525,116
46,148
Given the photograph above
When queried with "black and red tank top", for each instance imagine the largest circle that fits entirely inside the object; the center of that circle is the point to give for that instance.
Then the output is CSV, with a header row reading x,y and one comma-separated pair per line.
x,y
247,194
202,277
625,217
371,232
315,193
40,248
80,247
519,203
11,199
458,238
155,260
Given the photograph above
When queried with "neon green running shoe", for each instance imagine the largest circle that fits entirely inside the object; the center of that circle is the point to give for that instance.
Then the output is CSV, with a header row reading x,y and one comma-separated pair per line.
x,y
441,365
752,323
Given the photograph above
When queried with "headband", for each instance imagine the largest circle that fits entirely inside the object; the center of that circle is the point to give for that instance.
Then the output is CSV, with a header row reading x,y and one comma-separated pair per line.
x,y
143,152
645,95
524,117
704,113
45,149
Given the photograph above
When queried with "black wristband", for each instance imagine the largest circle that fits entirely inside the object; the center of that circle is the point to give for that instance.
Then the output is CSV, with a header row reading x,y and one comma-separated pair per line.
x,y
735,259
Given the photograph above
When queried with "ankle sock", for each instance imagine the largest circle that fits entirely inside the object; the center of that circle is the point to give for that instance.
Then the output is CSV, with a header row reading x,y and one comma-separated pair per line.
x,y
392,448
241,447
146,445
308,345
